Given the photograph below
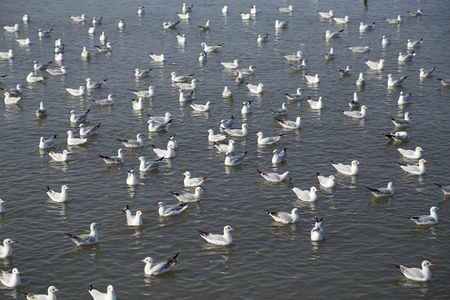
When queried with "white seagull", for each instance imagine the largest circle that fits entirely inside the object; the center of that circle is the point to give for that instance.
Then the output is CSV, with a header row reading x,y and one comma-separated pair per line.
x,y
201,107
396,21
58,197
234,160
31,78
356,114
328,182
152,268
406,57
412,154
312,79
267,140
10,279
425,219
94,84
315,104
170,210
327,15
399,136
88,130
274,177
76,118
247,107
285,217
145,93
383,192
146,166
402,122
297,96
86,239
131,178
414,169
417,274
47,143
375,65
404,98
6,250
97,295
366,27
154,126
209,49
113,159
141,73
189,197
426,73
444,188
81,91
286,10
50,294
238,132
317,233
205,27
333,34
306,195
225,147
73,141
158,57
64,156
192,181
218,239
164,153
255,89
279,156
414,44
351,169
137,143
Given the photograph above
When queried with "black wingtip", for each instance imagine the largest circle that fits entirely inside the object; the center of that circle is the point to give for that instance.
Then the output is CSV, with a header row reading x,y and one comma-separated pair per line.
x,y
318,174
440,186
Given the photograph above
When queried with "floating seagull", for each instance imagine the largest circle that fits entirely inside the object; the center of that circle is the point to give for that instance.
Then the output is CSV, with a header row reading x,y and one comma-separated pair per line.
x,y
188,86
89,130
137,104
164,153
92,30
109,295
425,219
141,10
154,126
161,119
444,82
58,72
366,27
300,67
375,65
238,132
413,154
290,124
231,65
330,55
312,79
121,24
58,197
6,55
73,141
383,192
192,181
281,24
146,93
146,166
406,57
184,16
281,111
203,57
86,239
85,54
209,49
10,99
227,123
328,182
47,143
295,57
97,20
315,104
142,73
396,21
253,10
24,42
404,98
93,84
160,267
417,274
31,78
10,279
414,169
284,217
274,177
81,91
399,136
286,10
6,250
227,93
50,294
402,122
181,38
76,118
158,57
201,107
215,137
225,10
344,20
225,147
327,15
137,143
361,82
356,114
247,107
262,38
59,57
345,72
170,210
396,82
255,89
104,49
234,160
426,73
205,27
444,188
180,78
297,96
267,140
64,156
385,40
41,67
279,156
173,142
14,28
26,18
332,35
189,197
218,239
113,159
414,44
45,33
317,233
246,16
351,169
132,178
306,195
417,13
2,208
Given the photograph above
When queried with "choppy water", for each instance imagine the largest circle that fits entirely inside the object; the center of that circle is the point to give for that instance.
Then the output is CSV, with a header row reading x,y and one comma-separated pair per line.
x,y
364,236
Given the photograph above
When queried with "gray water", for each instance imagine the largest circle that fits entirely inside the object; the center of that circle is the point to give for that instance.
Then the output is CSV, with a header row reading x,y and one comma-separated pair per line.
x,y
365,236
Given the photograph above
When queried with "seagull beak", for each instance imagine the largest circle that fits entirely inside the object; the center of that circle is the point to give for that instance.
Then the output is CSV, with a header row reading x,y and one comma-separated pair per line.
x,y
141,260
58,291
359,163
433,265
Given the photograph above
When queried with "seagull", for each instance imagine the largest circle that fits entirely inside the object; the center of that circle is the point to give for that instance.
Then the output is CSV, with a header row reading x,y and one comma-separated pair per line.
x,y
142,73
253,10
121,24
188,86
154,126
50,294
225,147
58,197
87,131
141,10
286,10
306,195
104,49
10,99
91,30
86,239
328,182
281,111
6,250
93,84
312,79
404,98
81,91
345,72
426,73
24,42
146,93
300,67
41,67
247,107
414,44
295,57
164,153
173,142
330,55
417,274
356,114
203,57
158,57
192,181
238,132
14,28
170,210
181,38
366,27
315,104
361,82
327,15
25,18
113,159
284,217
218,239
184,16
109,295
215,137
425,219
414,169
209,49
297,96
45,33
59,57
383,192
15,91
231,65
281,24
375,65
161,119
332,35
2,208
402,122
396,21
351,169
317,233
10,279
267,140
234,160
81,18
344,20
255,89
444,188
399,136
385,40
97,20
159,267
146,166
413,154
201,107
137,143
85,54
137,104
227,93
246,16
444,82
180,78
76,118
225,9
131,178
262,38
47,143
406,57
417,13
189,197
227,123
73,141
64,156
103,37
279,156
274,177
205,27
31,78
